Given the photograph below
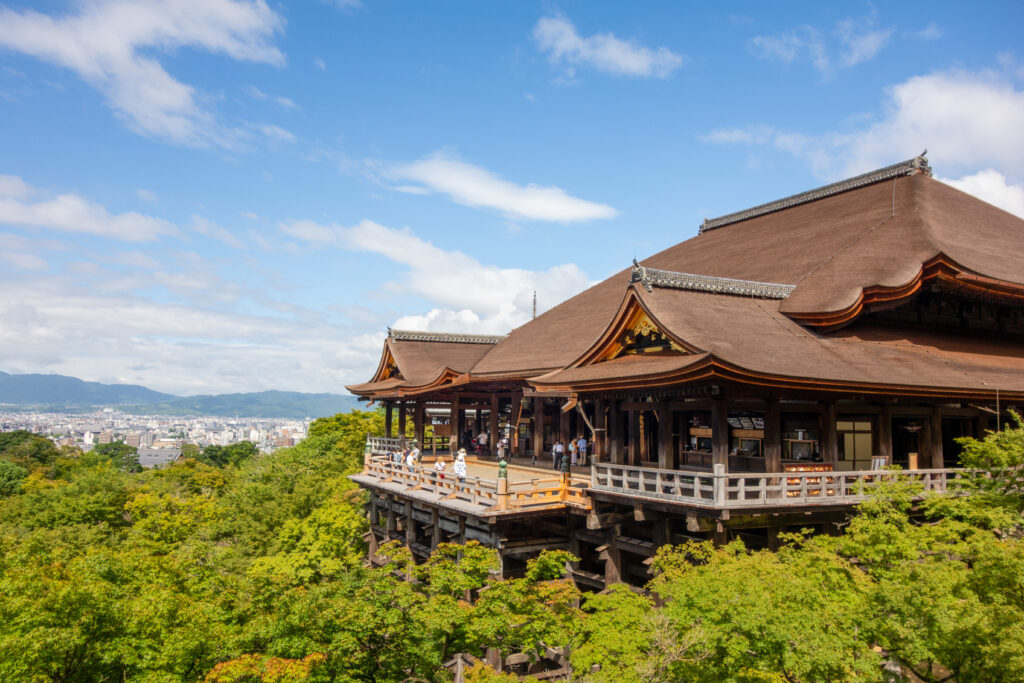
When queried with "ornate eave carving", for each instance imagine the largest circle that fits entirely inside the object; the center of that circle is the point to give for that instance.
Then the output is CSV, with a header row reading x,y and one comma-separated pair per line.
x,y
453,338
918,164
652,277
641,335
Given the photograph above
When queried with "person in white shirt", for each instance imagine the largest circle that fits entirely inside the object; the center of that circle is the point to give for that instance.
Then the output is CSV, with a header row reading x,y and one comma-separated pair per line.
x,y
460,465
439,468
410,461
557,453
415,454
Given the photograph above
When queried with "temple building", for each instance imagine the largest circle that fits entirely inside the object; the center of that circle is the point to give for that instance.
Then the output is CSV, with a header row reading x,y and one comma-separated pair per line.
x,y
738,383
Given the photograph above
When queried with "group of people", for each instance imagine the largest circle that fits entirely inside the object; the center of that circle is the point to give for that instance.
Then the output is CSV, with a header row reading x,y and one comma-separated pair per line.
x,y
577,452
411,459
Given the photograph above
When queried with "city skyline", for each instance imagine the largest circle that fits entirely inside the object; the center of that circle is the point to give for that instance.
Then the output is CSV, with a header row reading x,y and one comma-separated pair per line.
x,y
230,196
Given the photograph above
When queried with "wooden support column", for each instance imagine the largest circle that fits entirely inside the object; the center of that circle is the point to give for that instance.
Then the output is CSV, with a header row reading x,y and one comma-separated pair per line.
x,y
401,423
935,435
773,437
720,433
600,445
614,433
980,425
387,419
391,530
518,445
885,433
410,526
538,427
634,438
665,436
478,422
435,536
613,558
418,415
453,425
492,428
829,445
563,427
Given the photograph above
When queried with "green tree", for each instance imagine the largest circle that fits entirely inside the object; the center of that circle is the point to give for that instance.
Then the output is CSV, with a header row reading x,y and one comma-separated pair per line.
x,y
27,449
11,477
123,456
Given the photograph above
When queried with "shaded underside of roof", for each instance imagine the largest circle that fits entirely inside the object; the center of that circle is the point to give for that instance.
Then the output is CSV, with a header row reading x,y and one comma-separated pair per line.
x,y
421,363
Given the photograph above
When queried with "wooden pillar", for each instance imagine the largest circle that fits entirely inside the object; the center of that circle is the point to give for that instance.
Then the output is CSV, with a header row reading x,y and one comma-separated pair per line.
x,y
634,438
980,425
435,536
885,433
410,526
563,427
401,423
720,433
772,540
935,435
664,436
418,414
391,530
614,433
517,407
538,427
478,422
773,437
829,447
492,430
600,445
387,419
454,425
613,558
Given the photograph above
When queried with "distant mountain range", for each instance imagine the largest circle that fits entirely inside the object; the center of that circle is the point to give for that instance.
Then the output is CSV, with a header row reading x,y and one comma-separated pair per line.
x,y
59,392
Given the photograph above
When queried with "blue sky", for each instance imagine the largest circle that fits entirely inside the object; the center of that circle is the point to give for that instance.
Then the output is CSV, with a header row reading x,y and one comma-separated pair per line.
x,y
221,195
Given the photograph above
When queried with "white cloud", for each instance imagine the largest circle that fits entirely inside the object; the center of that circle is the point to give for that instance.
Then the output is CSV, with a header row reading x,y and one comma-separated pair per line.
x,y
929,32
991,186
210,229
465,292
557,36
23,260
477,187
967,120
319,63
14,187
146,195
107,43
72,213
856,41
257,94
276,132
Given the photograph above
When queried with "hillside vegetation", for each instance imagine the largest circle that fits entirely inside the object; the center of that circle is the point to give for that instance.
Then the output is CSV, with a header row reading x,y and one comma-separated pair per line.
x,y
253,571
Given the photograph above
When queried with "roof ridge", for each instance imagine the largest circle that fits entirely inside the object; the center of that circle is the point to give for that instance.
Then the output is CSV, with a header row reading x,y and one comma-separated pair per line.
x,y
450,337
918,164
652,277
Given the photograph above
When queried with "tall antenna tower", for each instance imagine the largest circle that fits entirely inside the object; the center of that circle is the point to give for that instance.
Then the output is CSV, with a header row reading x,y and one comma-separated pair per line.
x,y
535,304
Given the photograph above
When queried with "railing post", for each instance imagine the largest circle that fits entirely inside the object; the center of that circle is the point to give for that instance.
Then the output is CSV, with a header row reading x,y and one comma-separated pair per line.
x,y
719,484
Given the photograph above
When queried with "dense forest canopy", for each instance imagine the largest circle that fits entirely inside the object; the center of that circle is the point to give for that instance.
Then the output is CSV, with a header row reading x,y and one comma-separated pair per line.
x,y
233,566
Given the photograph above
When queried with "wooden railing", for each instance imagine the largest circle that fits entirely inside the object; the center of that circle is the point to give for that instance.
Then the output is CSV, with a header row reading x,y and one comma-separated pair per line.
x,y
382,445
491,493
752,490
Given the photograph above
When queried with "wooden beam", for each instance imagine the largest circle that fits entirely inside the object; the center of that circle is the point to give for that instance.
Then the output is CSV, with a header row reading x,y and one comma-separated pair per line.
x,y
453,424
387,419
600,445
401,423
603,521
418,414
613,561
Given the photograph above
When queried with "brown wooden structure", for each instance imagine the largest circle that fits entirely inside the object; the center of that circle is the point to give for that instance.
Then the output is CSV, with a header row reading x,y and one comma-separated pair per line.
x,y
740,382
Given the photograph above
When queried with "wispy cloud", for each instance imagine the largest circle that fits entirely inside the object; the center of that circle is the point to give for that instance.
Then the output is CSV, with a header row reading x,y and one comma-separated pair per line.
x,y
557,36
851,42
108,44
463,291
72,213
257,94
929,32
474,186
210,229
991,185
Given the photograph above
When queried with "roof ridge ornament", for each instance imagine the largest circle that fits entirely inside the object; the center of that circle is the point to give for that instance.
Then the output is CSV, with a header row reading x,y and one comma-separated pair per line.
x,y
449,337
652,277
918,164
